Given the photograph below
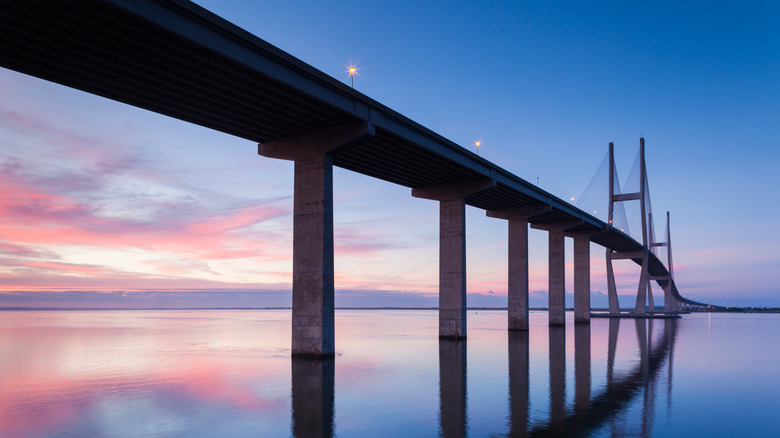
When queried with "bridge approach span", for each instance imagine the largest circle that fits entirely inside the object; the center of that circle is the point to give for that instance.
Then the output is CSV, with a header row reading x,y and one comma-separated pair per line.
x,y
178,59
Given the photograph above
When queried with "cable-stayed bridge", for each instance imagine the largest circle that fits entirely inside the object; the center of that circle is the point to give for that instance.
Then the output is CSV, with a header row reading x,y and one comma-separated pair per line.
x,y
178,59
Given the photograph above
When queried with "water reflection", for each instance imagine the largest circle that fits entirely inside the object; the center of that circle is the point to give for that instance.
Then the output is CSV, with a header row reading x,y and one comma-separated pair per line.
x,y
518,383
606,406
230,374
312,397
602,409
557,381
453,419
581,368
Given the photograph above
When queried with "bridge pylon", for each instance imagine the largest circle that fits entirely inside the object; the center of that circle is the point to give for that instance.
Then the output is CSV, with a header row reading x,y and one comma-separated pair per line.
x,y
671,304
644,292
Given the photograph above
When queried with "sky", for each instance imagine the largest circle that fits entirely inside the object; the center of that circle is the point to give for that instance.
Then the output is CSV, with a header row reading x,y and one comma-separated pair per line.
x,y
107,205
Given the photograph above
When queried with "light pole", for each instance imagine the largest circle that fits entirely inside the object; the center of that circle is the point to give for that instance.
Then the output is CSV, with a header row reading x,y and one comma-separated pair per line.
x,y
478,143
352,72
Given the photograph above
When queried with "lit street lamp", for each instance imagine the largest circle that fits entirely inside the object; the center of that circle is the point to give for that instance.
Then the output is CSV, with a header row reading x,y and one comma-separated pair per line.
x,y
352,72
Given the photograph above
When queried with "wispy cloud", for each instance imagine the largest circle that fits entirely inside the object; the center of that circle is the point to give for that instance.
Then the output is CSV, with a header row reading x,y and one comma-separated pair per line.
x,y
67,192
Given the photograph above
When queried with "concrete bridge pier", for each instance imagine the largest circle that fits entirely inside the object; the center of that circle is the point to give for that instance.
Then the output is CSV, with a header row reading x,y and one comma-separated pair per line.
x,y
556,268
668,304
581,277
452,251
614,304
643,289
671,304
556,277
313,283
517,281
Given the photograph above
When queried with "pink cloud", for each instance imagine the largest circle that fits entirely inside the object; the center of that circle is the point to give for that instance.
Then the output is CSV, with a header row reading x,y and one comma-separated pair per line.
x,y
16,250
33,216
65,268
362,241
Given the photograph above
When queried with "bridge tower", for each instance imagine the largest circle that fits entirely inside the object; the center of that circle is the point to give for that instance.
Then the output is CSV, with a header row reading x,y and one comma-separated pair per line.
x,y
644,293
671,304
674,304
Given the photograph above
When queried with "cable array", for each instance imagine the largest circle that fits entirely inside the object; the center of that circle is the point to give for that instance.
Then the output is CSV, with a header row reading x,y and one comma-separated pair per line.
x,y
592,199
619,218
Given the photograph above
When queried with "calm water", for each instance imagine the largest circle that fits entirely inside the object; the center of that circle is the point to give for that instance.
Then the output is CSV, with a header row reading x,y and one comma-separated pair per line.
x,y
229,373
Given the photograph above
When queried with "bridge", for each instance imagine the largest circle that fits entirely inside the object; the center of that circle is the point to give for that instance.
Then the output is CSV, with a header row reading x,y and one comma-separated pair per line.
x,y
180,60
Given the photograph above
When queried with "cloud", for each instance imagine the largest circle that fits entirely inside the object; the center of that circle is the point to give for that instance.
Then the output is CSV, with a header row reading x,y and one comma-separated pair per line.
x,y
17,251
77,207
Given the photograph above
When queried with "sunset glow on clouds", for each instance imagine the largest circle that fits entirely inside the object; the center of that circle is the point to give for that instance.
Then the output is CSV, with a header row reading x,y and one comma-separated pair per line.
x,y
78,208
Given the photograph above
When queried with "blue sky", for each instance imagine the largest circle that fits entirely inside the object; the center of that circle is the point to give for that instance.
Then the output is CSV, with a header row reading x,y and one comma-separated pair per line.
x,y
154,203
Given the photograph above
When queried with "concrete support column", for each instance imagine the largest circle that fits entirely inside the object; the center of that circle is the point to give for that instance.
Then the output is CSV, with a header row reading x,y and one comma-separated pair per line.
x,y
556,277
517,281
452,251
614,304
641,294
650,299
313,282
556,267
452,268
581,278
517,263
668,299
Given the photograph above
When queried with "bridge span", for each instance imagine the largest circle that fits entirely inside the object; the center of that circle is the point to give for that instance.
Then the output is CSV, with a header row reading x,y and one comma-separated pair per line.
x,y
178,59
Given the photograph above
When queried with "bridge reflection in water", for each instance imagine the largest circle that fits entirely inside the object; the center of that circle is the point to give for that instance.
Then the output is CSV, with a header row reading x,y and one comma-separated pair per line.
x,y
605,408
312,396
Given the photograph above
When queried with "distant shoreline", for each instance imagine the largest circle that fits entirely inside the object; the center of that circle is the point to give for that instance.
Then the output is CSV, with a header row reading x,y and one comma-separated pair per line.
x,y
536,309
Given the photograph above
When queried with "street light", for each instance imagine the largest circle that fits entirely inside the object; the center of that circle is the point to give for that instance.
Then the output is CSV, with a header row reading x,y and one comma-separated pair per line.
x,y
352,72
478,143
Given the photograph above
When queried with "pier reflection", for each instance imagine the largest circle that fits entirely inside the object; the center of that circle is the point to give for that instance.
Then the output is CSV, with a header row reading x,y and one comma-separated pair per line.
x,y
581,368
557,341
592,411
312,397
518,382
602,407
453,419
